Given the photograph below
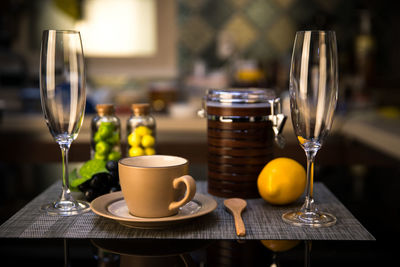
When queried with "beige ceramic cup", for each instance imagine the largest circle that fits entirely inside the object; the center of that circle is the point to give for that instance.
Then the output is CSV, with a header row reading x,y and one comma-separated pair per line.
x,y
155,186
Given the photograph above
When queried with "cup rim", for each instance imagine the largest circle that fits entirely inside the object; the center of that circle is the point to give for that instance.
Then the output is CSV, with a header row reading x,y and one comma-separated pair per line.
x,y
121,162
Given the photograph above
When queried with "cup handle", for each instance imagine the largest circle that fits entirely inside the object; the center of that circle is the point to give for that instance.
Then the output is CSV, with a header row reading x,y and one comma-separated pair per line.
x,y
190,191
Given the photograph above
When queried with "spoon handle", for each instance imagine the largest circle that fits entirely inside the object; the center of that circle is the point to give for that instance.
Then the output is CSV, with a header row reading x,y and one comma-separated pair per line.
x,y
239,224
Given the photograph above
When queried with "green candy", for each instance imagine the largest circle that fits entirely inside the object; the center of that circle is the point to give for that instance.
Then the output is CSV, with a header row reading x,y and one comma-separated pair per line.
x,y
102,148
106,130
97,137
114,139
114,155
99,156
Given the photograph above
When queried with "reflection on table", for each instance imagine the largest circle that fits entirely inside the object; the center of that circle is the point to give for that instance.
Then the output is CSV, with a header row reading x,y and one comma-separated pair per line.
x,y
173,252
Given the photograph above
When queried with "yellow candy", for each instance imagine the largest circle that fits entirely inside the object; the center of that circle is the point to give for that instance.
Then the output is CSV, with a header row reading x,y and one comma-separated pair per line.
x,y
142,130
148,141
134,140
136,151
149,151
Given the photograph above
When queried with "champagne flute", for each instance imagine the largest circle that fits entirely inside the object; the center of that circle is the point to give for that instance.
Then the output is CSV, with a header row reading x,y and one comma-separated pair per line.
x,y
313,93
63,97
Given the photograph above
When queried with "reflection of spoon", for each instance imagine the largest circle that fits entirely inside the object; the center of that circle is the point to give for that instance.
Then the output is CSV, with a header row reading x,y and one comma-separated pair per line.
x,y
236,206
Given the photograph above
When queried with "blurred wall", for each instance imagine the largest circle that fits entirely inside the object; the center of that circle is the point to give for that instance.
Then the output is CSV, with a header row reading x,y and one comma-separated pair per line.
x,y
217,34
264,30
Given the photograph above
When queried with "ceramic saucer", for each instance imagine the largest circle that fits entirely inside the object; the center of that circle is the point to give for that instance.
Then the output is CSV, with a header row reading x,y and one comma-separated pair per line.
x,y
113,206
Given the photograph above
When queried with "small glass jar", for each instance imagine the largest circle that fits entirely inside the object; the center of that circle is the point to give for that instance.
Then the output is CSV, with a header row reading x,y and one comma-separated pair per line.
x,y
141,131
106,134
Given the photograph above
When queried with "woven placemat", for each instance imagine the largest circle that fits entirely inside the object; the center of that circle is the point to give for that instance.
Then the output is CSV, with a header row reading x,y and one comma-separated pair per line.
x,y
263,221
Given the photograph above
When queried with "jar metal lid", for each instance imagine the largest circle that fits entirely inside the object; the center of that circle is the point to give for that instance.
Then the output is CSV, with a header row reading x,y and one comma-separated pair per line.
x,y
240,96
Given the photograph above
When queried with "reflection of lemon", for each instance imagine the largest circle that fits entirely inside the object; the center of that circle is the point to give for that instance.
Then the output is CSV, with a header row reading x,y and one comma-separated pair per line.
x,y
136,151
142,130
148,141
280,245
149,151
301,140
282,181
134,139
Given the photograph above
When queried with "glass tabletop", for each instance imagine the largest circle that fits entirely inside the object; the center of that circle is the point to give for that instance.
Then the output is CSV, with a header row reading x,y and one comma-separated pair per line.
x,y
357,188
145,252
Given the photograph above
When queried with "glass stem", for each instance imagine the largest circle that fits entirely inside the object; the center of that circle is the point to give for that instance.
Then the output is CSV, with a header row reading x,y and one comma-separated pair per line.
x,y
307,256
66,193
66,253
309,201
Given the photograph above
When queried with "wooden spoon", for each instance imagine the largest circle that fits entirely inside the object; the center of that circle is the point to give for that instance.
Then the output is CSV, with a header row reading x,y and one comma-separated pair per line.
x,y
236,206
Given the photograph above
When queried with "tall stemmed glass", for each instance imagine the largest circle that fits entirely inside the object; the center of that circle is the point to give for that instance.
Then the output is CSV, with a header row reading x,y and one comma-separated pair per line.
x,y
313,95
63,97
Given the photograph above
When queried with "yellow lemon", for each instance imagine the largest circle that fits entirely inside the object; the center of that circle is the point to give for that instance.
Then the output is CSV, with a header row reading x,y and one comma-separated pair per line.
x,y
134,139
142,130
149,151
136,151
148,141
281,181
280,245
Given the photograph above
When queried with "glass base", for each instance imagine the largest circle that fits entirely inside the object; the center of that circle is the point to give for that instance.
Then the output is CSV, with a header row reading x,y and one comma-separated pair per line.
x,y
309,219
66,208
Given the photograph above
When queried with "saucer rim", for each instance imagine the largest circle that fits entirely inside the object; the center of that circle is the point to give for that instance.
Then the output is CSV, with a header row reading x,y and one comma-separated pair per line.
x,y
100,207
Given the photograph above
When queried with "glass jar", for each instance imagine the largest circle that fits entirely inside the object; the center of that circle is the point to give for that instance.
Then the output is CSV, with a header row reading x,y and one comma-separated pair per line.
x,y
106,134
141,131
240,134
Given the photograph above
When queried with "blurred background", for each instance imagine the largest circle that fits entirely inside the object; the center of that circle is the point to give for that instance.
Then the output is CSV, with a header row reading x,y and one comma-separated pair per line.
x,y
168,52
175,49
